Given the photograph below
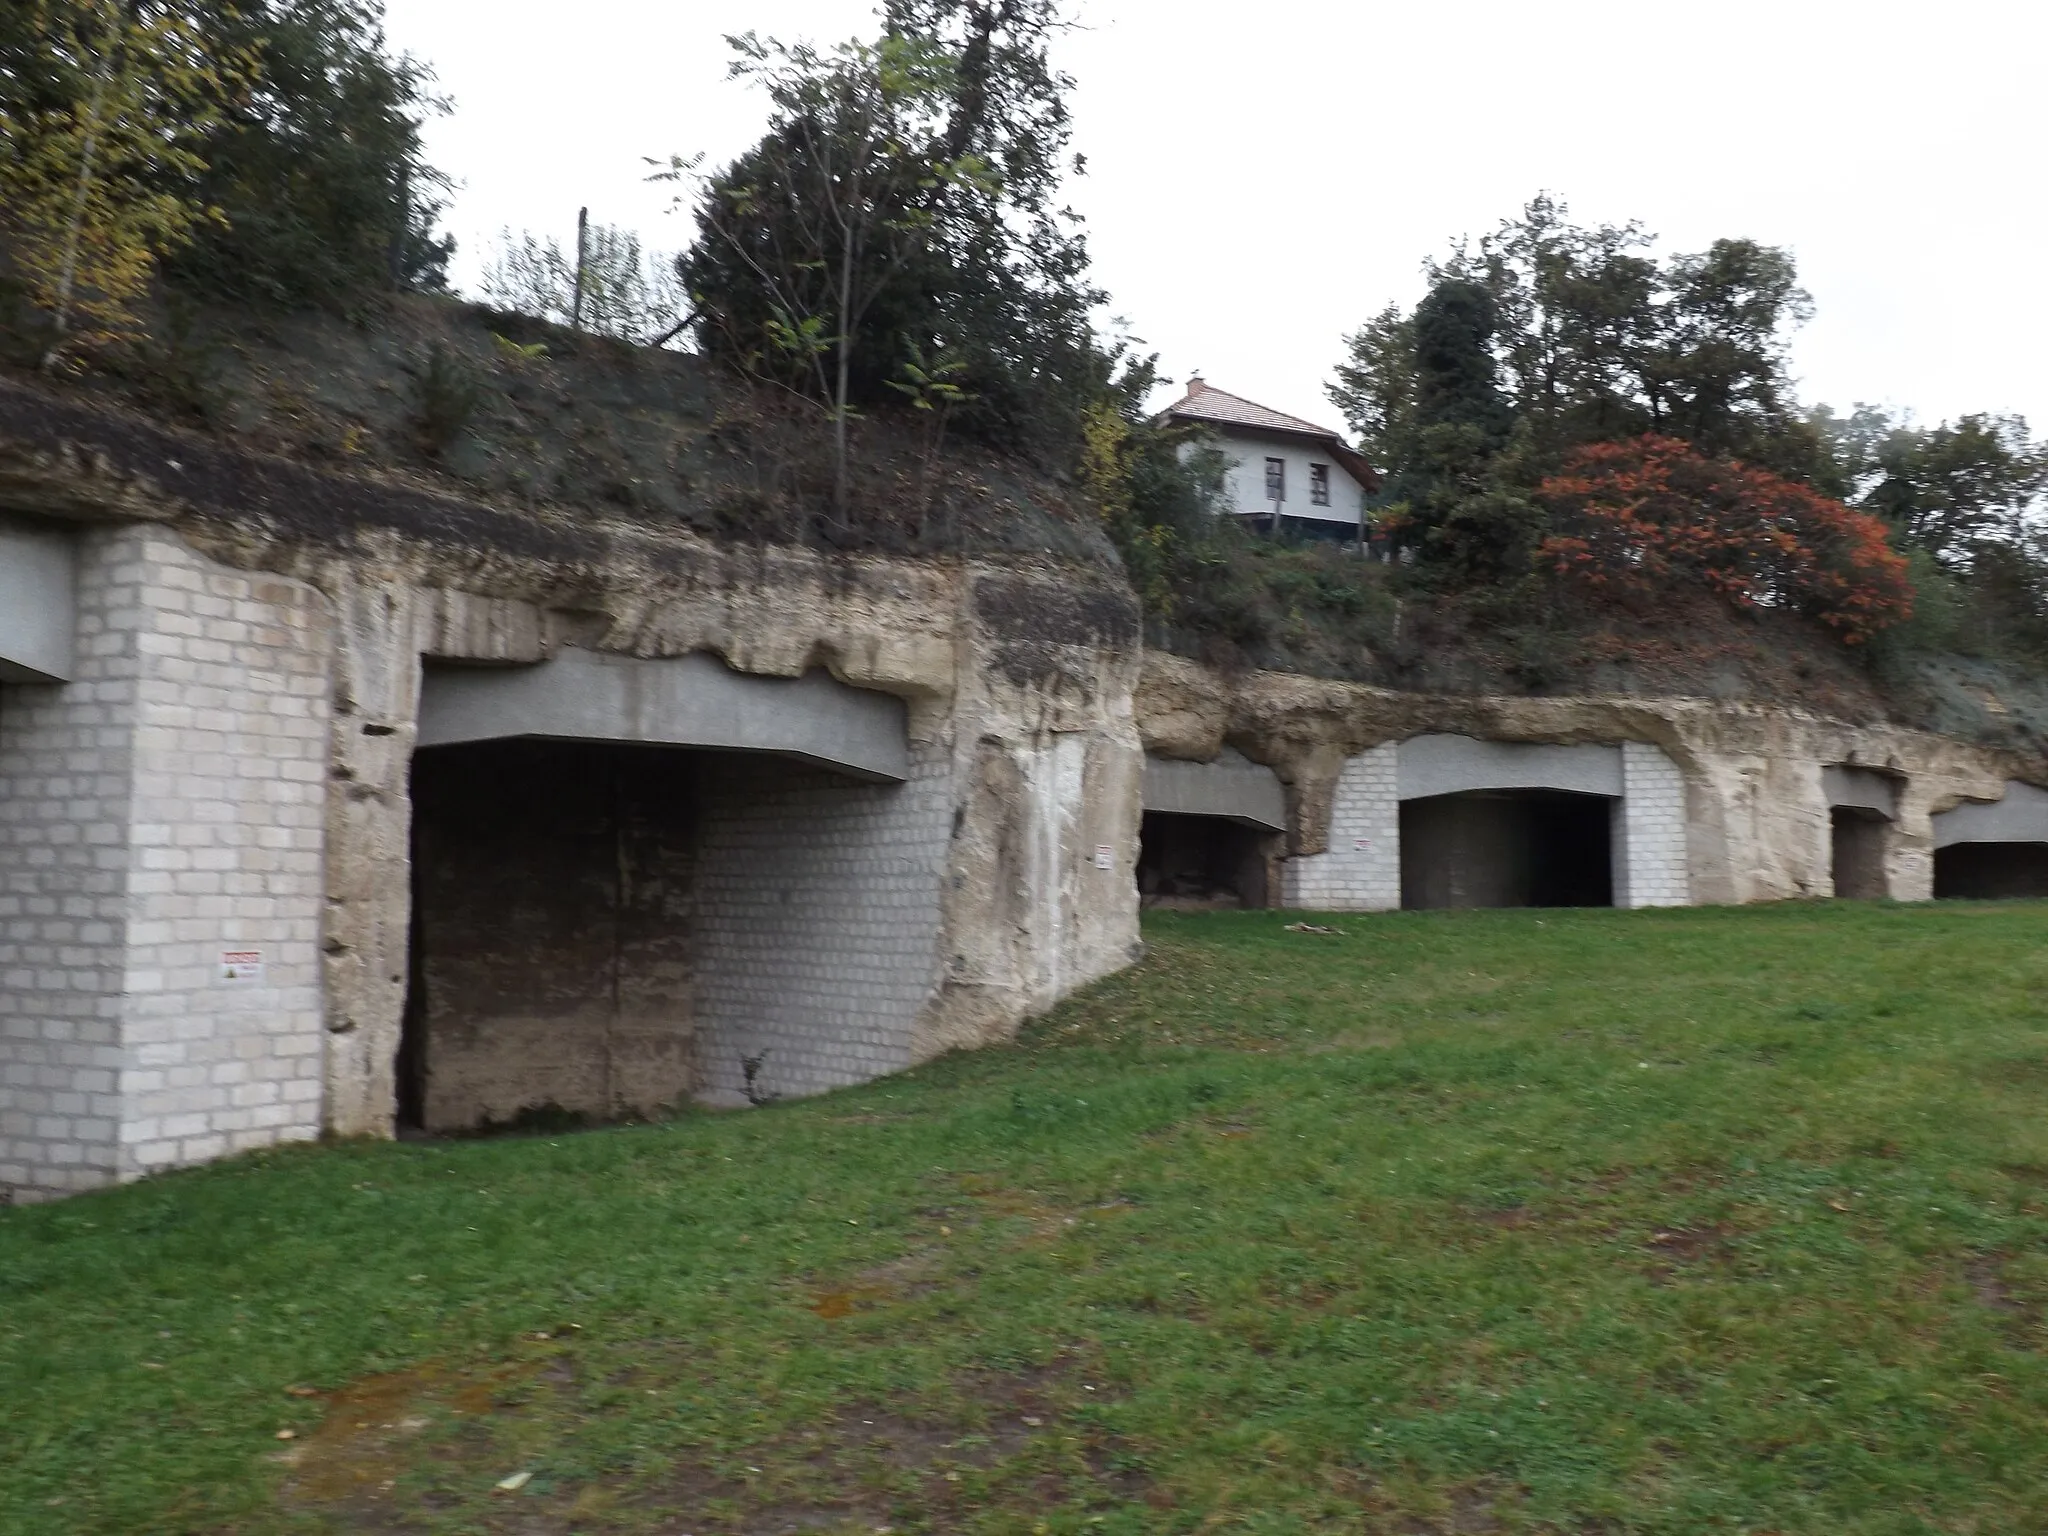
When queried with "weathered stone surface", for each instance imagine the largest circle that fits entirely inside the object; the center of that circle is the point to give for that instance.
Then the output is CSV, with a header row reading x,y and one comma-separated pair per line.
x,y
1757,809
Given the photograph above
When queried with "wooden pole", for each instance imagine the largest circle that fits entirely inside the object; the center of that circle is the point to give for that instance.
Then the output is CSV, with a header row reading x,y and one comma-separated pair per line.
x,y
582,254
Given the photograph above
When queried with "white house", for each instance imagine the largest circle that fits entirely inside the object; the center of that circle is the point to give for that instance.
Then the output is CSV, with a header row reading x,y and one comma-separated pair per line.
x,y
1285,474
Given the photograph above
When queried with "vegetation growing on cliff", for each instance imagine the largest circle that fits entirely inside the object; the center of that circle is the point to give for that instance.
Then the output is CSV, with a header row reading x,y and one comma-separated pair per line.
x,y
1564,403
257,151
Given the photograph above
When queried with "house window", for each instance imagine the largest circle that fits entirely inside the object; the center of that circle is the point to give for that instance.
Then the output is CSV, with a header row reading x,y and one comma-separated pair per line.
x,y
1276,479
1319,485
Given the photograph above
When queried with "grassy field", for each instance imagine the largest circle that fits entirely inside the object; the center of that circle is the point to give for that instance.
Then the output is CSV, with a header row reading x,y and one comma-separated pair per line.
x,y
1688,1221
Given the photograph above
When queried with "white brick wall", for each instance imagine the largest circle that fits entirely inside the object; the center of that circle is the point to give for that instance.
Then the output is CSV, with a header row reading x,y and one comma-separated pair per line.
x,y
1361,872
163,807
1650,868
65,790
817,920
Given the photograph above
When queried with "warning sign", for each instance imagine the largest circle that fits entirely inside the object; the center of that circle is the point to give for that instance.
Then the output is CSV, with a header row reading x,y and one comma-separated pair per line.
x,y
1105,856
241,965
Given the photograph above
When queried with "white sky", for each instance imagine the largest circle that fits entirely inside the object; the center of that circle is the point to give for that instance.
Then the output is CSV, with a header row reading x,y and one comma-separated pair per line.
x,y
1264,176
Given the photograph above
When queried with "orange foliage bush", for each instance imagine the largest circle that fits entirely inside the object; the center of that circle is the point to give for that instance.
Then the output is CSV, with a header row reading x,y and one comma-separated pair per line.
x,y
1638,515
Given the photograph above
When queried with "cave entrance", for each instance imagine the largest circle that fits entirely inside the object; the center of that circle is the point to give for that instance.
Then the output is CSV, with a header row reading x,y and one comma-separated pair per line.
x,y
1198,862
551,934
1991,871
1859,836
1508,848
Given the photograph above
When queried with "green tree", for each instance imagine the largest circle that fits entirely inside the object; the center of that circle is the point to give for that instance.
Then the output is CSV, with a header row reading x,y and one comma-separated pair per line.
x,y
961,250
804,235
1954,489
1577,319
105,111
1458,501
1717,374
1597,341
317,166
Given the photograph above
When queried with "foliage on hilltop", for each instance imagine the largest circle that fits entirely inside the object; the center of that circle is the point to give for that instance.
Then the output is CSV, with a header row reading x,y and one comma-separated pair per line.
x,y
260,151
1572,424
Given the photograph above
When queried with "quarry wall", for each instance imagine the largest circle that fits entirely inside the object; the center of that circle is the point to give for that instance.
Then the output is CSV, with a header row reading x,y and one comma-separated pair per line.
x,y
208,925
358,805
1719,802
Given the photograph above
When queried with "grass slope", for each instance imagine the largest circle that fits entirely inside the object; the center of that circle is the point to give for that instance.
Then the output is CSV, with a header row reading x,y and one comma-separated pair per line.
x,y
1712,1220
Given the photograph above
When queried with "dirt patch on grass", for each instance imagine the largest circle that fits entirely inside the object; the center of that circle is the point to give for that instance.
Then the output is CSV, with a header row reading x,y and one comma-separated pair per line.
x,y
377,1429
1986,1274
1674,1249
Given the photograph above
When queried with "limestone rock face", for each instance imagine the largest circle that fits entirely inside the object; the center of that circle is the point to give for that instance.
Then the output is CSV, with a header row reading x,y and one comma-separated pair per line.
x,y
1757,817
909,921
806,927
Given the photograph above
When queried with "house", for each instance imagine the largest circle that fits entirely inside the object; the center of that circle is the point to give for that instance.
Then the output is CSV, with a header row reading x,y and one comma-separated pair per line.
x,y
1286,474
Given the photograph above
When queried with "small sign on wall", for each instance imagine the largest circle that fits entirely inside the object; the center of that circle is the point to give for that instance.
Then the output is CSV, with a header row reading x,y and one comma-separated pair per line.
x,y
1105,856
241,965
1361,845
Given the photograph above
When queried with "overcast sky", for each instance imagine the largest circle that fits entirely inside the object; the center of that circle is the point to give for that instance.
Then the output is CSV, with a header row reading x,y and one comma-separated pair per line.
x,y
1264,176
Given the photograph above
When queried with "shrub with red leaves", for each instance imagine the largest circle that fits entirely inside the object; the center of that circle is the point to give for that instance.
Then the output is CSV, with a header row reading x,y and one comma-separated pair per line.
x,y
1638,515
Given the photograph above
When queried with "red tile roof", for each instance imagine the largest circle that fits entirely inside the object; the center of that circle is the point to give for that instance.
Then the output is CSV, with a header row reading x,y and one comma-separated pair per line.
x,y
1205,403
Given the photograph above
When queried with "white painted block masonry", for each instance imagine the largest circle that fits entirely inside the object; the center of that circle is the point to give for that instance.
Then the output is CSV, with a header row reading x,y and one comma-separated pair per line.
x,y
165,805
1361,872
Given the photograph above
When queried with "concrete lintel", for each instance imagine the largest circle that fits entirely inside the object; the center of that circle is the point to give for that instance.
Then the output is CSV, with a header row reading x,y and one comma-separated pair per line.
x,y
1861,789
2020,817
691,701
38,600
1232,786
1450,765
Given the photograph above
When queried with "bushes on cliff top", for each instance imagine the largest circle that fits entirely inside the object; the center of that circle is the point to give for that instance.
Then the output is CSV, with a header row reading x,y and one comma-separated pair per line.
x,y
254,150
1636,515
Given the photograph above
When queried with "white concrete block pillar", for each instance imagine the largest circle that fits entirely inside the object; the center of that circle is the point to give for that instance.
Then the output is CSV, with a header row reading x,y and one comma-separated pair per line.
x,y
1649,848
1361,871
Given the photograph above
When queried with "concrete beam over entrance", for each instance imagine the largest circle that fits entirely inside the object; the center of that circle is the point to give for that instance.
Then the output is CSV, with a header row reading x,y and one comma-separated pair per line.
x,y
2020,817
1452,765
1232,786
1861,789
38,601
688,701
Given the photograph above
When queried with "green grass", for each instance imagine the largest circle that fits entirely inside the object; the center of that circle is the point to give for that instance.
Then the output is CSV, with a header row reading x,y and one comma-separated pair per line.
x,y
1710,1220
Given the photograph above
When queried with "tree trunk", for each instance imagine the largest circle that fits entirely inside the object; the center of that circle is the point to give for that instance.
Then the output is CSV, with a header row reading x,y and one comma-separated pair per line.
x,y
846,254
67,271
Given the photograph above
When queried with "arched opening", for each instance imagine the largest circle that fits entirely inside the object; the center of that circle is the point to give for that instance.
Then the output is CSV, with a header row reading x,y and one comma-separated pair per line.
x,y
1194,862
1508,848
1859,835
1991,871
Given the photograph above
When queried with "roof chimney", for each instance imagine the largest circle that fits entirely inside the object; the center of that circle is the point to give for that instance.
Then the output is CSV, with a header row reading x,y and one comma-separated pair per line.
x,y
1195,382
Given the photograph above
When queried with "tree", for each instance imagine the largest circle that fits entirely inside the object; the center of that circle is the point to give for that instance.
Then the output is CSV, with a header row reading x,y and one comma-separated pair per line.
x,y
1953,490
1575,320
627,293
1716,375
940,148
1375,386
823,215
317,165
106,110
1455,500
1597,341
1636,516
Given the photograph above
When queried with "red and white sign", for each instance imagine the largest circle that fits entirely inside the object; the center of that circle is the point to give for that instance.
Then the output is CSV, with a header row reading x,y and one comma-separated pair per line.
x,y
241,965
1105,856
